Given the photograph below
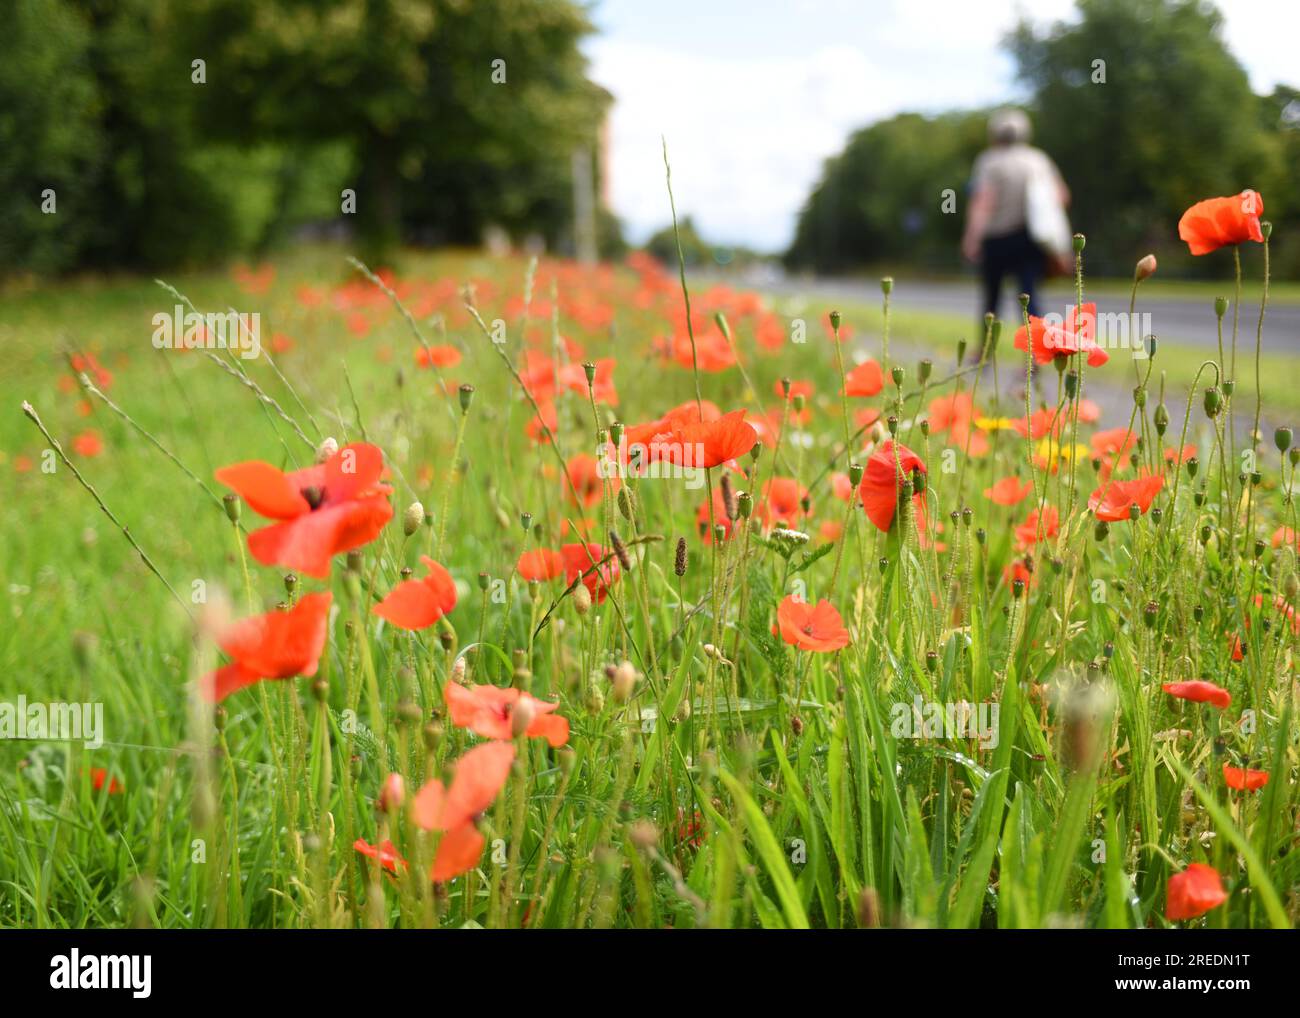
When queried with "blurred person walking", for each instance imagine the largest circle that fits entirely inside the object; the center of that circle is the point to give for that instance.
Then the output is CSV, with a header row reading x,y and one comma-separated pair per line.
x,y
1016,223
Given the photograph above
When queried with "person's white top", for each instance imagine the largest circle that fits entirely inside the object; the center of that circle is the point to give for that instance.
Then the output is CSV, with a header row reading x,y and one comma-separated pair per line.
x,y
1006,171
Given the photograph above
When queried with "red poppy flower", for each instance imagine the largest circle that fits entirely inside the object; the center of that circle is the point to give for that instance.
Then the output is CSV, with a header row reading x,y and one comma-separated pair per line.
x,y
782,502
1216,222
1199,691
946,411
579,558
864,380
325,509
1049,521
1112,501
1009,491
1040,424
1116,440
584,472
811,627
699,443
277,645
418,604
99,776
478,777
541,564
1243,779
385,852
437,356
882,481
488,711
88,444
1047,340
1194,892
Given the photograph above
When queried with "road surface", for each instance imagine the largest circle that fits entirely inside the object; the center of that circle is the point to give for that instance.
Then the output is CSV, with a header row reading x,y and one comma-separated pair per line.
x,y
1189,320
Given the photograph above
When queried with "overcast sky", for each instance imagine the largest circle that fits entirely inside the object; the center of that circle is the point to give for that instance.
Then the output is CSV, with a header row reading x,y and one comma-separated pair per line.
x,y
752,95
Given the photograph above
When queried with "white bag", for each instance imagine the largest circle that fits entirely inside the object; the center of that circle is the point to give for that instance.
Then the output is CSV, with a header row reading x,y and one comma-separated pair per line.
x,y
1045,217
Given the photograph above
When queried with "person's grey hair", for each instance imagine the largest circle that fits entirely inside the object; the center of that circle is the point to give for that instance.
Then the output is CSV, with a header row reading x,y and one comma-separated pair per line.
x,y
1008,127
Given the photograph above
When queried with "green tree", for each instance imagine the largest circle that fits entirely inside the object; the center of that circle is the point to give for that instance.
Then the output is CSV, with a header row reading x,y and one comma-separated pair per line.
x,y
895,193
458,114
1174,119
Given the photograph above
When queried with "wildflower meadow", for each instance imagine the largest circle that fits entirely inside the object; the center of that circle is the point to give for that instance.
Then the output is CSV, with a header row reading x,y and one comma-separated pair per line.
x,y
514,592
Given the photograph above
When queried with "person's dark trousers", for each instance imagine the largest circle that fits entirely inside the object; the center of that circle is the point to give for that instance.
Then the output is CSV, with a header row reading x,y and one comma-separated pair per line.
x,y
1013,254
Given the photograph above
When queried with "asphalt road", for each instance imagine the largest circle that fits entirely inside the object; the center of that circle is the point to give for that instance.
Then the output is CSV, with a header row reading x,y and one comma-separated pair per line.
x,y
1187,320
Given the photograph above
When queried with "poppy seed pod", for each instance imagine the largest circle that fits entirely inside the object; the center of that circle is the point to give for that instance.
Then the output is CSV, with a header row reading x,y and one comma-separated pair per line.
x,y
798,402
1079,240
923,370
1229,387
835,320
1198,612
855,474
1146,267
466,397
1017,588
744,504
925,428
290,582
785,387
898,375
1024,301
1150,612
892,424
1193,464
231,503
1282,439
525,521
887,285
931,661
981,535
412,518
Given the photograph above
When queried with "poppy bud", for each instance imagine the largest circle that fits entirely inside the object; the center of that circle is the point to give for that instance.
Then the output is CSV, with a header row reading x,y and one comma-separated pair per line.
x,y
855,474
835,320
326,449
981,535
798,402
1161,417
320,689
466,397
620,551
412,518
432,733
484,581
582,599
624,682
721,319
522,715
1291,586
961,349
1282,439
1071,383
1198,496
1294,454
785,387
1266,228
887,285
1146,267
1198,612
1079,240
625,503
1140,396
1101,530
1212,402
392,794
